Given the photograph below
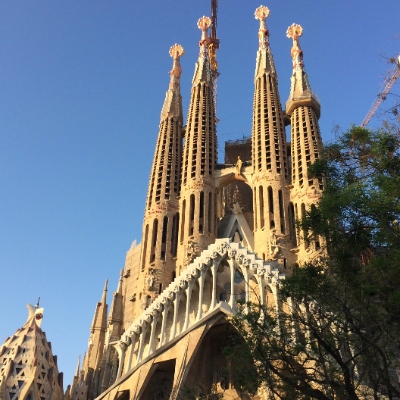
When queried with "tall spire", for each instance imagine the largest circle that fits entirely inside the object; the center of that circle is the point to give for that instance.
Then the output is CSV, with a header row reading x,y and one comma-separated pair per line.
x,y
160,225
303,107
269,155
98,330
197,200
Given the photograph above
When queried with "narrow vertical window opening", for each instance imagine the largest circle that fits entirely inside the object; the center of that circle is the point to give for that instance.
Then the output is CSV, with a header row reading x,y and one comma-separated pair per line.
x,y
201,212
261,202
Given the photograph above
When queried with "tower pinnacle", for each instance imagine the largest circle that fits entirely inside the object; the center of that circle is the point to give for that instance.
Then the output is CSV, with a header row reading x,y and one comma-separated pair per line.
x,y
104,296
203,66
300,89
262,14
176,52
294,32
172,103
203,24
265,62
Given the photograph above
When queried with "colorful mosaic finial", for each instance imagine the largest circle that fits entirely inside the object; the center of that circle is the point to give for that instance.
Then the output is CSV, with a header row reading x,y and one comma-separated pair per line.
x,y
176,52
203,24
261,14
294,32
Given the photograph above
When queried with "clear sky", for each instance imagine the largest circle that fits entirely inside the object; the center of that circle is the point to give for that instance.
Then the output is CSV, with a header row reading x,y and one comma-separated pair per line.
x,y
81,88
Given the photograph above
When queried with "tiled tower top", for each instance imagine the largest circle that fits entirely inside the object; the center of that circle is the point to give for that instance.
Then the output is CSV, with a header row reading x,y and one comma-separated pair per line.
x,y
265,61
173,101
28,369
203,66
300,89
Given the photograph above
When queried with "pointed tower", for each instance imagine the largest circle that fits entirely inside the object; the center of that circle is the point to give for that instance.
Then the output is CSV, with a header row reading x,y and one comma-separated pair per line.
x,y
109,363
28,369
78,390
269,158
197,202
160,226
98,331
94,355
304,109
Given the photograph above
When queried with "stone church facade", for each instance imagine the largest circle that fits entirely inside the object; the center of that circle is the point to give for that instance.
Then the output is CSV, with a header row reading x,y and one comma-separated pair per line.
x,y
213,234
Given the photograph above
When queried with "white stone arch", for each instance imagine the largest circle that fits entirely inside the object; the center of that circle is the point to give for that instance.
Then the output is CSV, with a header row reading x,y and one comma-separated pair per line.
x,y
169,321
194,302
207,290
180,320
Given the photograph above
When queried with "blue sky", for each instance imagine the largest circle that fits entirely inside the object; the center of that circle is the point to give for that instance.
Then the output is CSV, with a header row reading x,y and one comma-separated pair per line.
x,y
81,88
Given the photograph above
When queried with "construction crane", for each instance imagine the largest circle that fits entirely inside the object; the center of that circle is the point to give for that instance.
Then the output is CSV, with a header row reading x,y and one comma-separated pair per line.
x,y
213,47
390,79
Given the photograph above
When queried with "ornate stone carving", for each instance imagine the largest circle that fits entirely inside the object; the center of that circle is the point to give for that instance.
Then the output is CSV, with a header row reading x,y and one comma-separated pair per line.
x,y
232,253
273,244
150,279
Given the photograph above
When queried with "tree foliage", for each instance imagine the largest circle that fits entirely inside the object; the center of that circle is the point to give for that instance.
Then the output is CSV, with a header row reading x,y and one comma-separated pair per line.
x,y
336,335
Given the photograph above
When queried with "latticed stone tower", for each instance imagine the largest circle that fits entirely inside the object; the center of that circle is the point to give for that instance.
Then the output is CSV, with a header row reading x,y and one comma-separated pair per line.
x,y
269,158
28,369
304,109
160,227
198,193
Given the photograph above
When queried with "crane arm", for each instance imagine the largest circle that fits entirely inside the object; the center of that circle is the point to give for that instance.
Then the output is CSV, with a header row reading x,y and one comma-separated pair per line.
x,y
393,75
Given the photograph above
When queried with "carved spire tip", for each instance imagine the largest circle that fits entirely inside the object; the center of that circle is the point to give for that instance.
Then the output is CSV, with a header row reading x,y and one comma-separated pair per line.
x,y
261,13
204,23
294,31
176,51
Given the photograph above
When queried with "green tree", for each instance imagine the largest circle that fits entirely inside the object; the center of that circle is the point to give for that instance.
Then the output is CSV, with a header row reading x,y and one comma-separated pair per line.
x,y
340,339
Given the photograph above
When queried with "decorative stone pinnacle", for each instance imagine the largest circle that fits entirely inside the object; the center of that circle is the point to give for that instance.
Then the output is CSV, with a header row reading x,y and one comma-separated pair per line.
x,y
203,24
261,14
294,32
176,52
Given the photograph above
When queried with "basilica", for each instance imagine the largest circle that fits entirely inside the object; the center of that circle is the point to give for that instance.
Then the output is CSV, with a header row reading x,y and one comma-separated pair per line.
x,y
213,234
